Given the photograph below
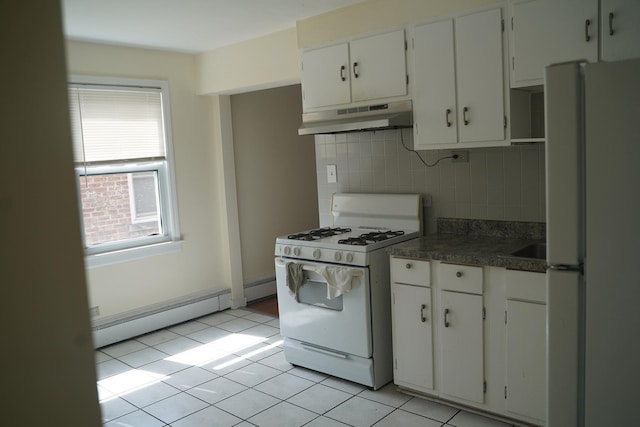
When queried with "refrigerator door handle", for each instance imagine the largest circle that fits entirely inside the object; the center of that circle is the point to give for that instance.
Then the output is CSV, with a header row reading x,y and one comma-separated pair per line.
x,y
567,267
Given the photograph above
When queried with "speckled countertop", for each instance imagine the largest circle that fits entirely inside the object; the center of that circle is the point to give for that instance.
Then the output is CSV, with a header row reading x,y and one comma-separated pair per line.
x,y
477,242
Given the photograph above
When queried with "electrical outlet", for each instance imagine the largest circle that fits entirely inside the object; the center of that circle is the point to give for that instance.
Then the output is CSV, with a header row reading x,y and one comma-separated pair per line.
x,y
332,175
94,311
463,156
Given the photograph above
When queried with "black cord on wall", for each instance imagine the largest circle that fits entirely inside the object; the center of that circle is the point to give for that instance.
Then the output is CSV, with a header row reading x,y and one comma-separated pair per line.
x,y
453,156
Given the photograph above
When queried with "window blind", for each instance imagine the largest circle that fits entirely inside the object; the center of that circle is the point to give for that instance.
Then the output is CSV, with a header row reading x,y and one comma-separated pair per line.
x,y
116,124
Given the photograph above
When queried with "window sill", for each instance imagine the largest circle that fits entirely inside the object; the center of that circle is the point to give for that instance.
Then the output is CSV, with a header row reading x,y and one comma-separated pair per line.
x,y
124,255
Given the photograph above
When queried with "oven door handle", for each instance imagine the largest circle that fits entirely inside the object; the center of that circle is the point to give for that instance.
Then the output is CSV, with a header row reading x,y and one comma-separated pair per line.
x,y
282,263
324,351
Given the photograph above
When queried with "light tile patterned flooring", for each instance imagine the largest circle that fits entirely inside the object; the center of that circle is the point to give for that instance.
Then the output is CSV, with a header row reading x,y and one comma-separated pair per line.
x,y
228,369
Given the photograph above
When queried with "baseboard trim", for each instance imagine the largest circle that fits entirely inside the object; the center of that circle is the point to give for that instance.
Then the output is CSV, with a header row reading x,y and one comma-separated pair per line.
x,y
260,290
148,319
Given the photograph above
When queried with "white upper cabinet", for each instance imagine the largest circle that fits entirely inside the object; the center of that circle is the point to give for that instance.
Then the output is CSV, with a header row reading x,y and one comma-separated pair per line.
x,y
378,67
325,76
434,85
369,68
619,29
458,84
544,32
480,77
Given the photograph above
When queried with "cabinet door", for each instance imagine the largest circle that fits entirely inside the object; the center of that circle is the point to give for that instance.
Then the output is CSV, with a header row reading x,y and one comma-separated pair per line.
x,y
544,32
434,85
378,67
620,29
412,336
325,77
462,346
526,359
479,65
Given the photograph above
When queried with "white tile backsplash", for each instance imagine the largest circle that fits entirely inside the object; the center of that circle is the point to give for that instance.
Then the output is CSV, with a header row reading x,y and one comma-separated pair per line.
x,y
504,183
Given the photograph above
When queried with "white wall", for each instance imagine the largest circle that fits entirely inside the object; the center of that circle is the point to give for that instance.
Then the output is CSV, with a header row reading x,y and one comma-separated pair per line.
x,y
275,174
498,183
200,266
47,355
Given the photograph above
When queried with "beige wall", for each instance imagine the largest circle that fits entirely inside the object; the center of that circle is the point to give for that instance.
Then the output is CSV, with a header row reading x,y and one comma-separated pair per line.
x,y
275,174
47,354
374,15
274,60
200,265
261,63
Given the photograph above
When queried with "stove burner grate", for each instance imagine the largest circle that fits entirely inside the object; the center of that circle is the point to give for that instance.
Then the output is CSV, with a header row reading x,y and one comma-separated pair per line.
x,y
368,238
319,233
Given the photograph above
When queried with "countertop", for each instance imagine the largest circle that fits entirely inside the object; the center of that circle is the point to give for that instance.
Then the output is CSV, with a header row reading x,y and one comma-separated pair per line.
x,y
472,249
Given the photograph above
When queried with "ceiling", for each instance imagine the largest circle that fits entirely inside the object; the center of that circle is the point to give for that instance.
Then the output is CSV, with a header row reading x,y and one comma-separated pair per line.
x,y
185,25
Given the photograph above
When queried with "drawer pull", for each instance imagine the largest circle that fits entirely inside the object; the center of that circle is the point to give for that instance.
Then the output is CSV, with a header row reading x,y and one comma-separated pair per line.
x,y
422,309
407,266
446,317
459,274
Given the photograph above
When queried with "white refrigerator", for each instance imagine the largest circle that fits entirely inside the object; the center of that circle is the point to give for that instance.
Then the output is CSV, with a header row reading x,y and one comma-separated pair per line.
x,y
593,235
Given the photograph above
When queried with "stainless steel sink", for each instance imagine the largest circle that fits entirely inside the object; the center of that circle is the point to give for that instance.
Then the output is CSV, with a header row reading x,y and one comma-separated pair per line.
x,y
534,250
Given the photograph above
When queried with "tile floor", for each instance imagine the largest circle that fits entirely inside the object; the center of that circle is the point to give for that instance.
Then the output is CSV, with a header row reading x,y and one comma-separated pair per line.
x,y
228,369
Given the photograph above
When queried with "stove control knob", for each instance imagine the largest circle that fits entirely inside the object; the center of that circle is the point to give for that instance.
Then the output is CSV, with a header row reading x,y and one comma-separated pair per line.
x,y
349,257
316,253
296,251
337,256
287,250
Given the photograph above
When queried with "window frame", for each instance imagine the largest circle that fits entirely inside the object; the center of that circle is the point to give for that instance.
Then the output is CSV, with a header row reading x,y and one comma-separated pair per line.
x,y
141,247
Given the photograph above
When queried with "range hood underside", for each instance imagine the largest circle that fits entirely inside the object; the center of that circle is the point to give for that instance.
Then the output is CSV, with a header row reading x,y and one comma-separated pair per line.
x,y
380,117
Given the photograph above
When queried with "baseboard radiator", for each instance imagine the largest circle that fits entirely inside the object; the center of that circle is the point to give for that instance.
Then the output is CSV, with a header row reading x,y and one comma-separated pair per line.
x,y
113,329
127,325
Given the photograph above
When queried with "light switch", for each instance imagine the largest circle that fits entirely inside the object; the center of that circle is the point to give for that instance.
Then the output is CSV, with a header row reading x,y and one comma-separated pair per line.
x,y
332,176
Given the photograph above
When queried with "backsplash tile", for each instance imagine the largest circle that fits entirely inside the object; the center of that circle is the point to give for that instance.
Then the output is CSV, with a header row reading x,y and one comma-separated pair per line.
x,y
505,183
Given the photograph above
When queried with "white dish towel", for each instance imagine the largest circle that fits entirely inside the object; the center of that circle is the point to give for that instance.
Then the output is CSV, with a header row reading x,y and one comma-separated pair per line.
x,y
339,279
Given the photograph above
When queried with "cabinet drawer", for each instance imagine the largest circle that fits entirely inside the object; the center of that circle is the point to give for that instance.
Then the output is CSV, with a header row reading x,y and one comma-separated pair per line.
x,y
410,271
526,285
461,278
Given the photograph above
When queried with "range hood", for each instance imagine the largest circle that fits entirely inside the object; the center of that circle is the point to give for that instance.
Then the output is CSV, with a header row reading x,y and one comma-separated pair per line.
x,y
393,115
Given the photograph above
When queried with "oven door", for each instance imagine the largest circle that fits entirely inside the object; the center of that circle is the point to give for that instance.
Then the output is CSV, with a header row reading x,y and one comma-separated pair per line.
x,y
342,324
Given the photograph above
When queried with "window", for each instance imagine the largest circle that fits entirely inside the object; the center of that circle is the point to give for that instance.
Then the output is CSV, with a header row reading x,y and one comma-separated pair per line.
x,y
122,153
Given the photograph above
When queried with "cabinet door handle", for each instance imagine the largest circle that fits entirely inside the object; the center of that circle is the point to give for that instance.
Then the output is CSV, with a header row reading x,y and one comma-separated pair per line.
x,y
446,317
458,274
446,117
465,117
355,70
587,23
610,23
422,309
407,266
342,68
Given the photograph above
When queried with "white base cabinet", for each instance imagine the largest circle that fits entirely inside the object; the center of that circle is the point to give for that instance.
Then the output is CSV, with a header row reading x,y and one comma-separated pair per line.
x,y
475,336
412,311
462,368
525,321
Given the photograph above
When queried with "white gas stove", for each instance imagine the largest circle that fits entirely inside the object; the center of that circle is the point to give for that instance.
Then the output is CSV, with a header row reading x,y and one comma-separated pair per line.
x,y
343,335
363,223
